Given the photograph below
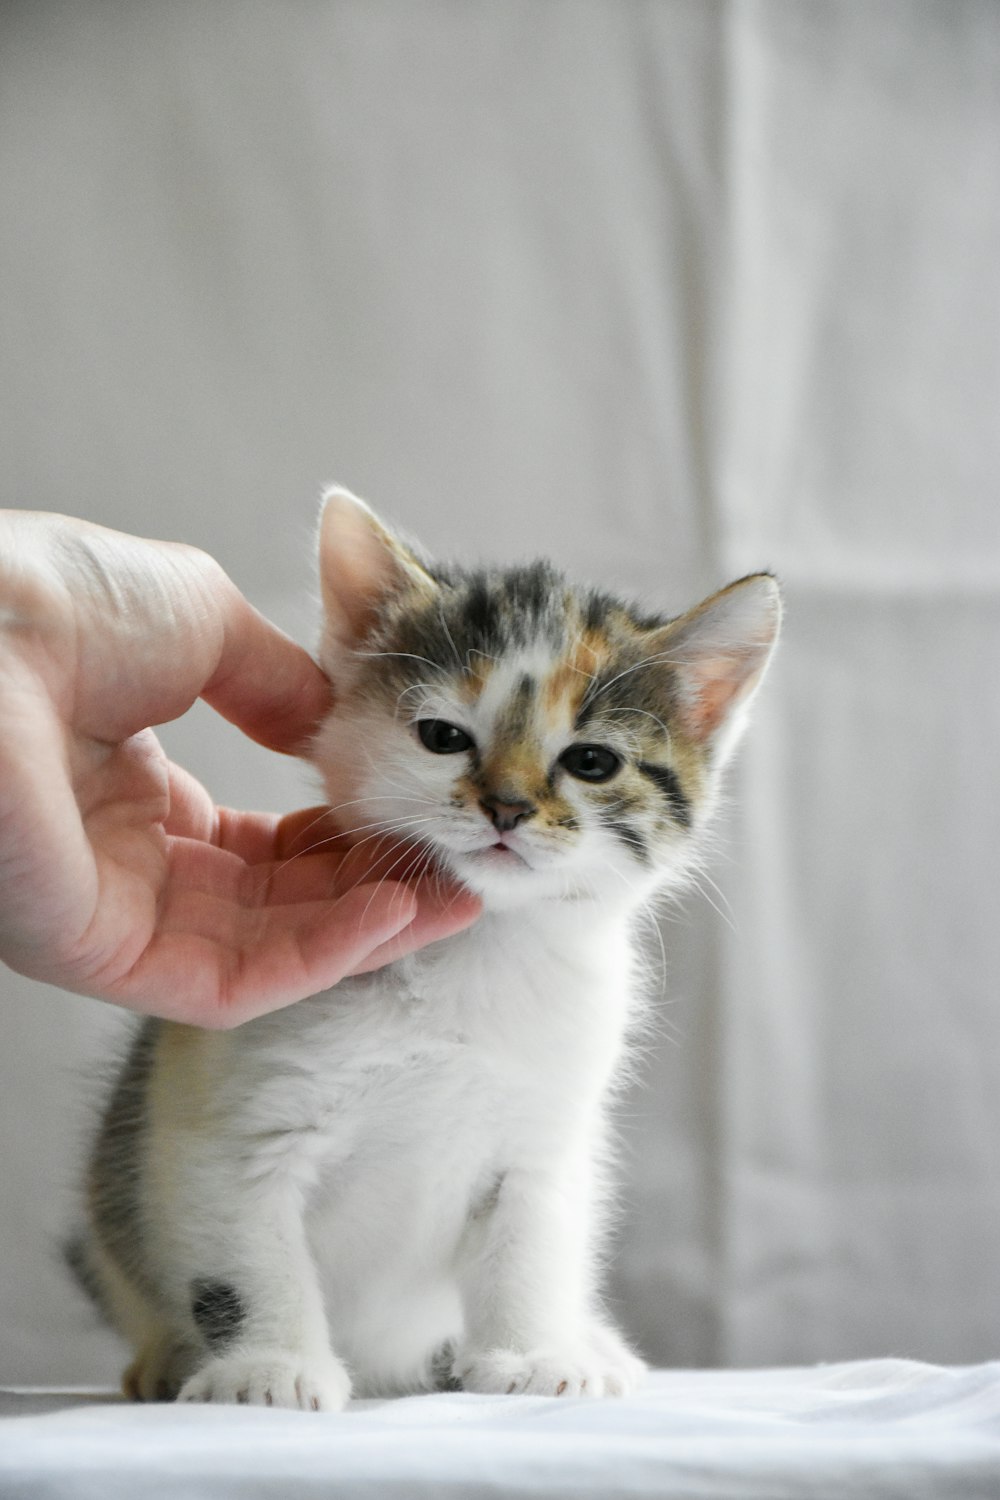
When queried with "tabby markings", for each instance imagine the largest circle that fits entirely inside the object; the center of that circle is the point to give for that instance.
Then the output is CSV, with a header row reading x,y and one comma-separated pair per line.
x,y
630,837
669,785
573,676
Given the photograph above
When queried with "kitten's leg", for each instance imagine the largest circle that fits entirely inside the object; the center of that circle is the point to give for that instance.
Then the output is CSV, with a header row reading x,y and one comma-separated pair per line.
x,y
532,1318
235,1257
163,1363
165,1354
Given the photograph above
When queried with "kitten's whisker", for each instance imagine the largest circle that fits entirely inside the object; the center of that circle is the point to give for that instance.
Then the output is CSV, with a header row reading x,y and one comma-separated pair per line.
x,y
425,687
411,655
642,711
392,798
389,797
699,872
396,786
389,831
376,797
451,641
696,882
662,657
313,823
416,855
646,912
398,825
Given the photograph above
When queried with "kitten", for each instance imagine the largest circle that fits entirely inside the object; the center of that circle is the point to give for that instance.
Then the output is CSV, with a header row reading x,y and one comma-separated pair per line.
x,y
404,1177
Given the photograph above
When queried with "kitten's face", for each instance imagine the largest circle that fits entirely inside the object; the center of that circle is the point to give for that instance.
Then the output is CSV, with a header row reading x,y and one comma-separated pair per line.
x,y
540,741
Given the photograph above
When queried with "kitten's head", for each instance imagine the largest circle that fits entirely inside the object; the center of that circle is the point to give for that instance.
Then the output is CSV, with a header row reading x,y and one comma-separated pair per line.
x,y
539,739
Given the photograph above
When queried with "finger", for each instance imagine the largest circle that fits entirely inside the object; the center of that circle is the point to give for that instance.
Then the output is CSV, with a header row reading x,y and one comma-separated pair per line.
x,y
263,682
203,872
380,923
204,869
212,891
256,837
213,964
441,913
286,848
216,962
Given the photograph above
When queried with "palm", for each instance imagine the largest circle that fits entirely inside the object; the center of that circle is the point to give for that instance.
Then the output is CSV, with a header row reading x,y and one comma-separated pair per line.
x,y
220,914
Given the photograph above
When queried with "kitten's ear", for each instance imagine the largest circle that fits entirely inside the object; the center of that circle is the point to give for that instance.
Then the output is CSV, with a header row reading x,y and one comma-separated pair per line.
x,y
361,566
718,653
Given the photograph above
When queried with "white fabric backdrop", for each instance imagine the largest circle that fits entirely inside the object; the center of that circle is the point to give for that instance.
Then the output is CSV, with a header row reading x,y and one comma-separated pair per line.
x,y
669,291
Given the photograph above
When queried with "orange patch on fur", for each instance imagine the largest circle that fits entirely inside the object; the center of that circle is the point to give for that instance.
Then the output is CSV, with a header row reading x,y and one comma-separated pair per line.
x,y
564,688
515,771
475,677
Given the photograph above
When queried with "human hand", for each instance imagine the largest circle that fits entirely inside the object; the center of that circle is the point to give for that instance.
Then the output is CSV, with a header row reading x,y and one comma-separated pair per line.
x,y
119,878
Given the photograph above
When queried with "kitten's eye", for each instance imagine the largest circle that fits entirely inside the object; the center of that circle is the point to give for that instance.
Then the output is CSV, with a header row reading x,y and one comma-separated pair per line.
x,y
442,738
590,762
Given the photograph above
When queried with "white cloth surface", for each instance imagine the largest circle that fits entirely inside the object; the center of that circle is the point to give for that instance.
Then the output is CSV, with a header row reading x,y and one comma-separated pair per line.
x,y
669,291
871,1430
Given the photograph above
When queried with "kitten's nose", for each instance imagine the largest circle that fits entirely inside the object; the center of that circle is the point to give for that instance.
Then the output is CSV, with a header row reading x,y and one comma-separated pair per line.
x,y
505,814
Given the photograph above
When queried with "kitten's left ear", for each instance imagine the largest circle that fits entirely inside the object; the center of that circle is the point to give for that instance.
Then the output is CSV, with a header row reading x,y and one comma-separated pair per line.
x,y
362,566
718,653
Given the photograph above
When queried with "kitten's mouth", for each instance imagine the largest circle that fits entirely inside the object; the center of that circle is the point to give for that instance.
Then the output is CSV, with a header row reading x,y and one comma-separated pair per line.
x,y
500,854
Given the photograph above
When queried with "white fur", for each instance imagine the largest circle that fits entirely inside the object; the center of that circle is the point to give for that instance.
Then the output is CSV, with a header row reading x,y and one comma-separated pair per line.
x,y
410,1159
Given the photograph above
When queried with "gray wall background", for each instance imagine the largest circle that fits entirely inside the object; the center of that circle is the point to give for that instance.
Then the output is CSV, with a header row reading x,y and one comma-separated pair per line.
x,y
669,291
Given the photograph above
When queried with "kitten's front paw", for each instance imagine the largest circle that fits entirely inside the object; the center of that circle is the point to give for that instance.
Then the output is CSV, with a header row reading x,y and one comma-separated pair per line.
x,y
601,1366
270,1377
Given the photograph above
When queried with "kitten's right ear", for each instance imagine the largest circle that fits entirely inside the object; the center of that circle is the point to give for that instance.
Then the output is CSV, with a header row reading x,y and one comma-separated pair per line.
x,y
361,567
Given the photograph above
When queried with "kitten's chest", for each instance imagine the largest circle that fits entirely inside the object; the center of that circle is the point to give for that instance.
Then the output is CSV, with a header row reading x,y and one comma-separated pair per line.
x,y
521,1007
494,1040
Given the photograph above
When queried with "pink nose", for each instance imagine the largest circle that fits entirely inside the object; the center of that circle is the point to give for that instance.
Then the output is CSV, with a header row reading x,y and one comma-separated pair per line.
x,y
504,814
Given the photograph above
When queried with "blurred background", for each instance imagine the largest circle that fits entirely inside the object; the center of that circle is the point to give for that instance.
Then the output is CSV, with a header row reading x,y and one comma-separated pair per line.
x,y
668,291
